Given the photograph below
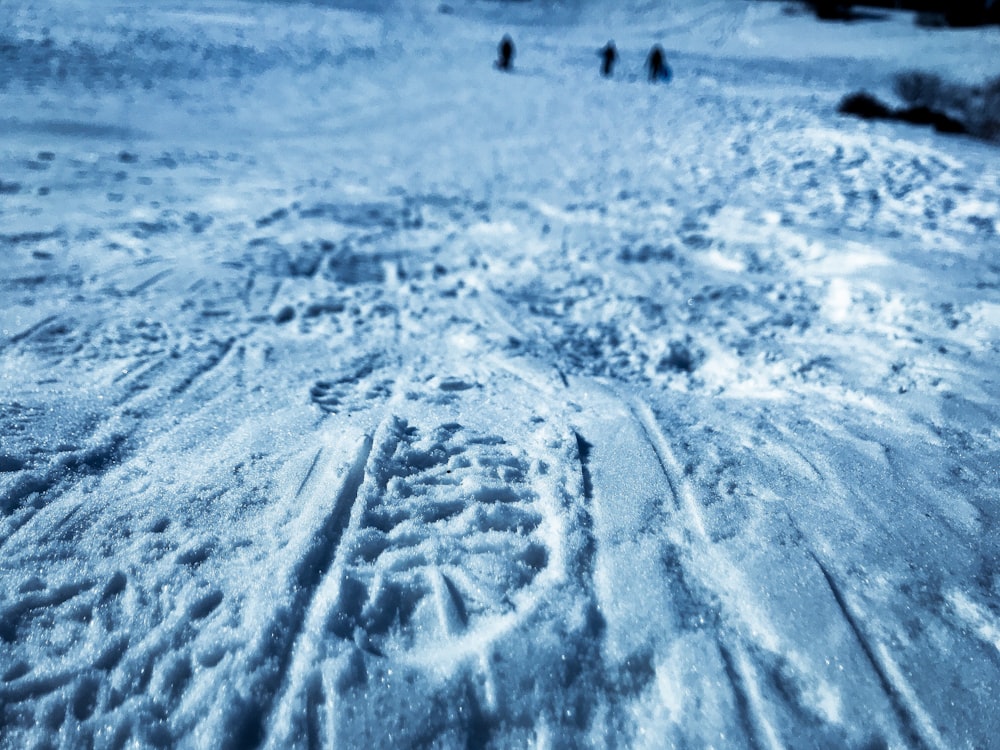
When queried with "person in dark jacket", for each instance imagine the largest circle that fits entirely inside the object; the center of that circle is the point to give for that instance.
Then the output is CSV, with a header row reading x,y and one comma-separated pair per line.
x,y
656,65
609,56
505,53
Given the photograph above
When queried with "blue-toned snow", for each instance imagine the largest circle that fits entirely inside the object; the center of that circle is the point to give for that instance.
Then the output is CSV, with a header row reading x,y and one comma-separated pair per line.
x,y
355,394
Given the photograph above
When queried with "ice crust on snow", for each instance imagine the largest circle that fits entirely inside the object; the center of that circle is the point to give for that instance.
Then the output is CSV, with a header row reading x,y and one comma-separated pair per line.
x,y
353,393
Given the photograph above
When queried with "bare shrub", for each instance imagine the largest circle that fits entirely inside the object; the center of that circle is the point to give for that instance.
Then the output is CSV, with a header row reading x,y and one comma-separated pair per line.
x,y
918,88
987,112
976,107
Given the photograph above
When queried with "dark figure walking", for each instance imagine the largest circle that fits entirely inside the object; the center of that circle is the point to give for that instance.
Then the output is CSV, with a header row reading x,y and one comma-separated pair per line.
x,y
609,56
657,66
505,53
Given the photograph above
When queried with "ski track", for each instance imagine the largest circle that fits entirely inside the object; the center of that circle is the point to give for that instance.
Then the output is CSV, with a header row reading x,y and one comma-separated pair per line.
x,y
309,580
911,715
303,456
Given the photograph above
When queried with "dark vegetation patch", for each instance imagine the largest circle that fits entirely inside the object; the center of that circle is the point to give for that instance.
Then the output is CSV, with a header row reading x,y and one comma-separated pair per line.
x,y
930,100
867,107
976,106
938,13
827,10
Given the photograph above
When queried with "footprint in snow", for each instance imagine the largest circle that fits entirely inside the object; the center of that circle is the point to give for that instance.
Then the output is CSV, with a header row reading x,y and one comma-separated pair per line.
x,y
354,388
451,543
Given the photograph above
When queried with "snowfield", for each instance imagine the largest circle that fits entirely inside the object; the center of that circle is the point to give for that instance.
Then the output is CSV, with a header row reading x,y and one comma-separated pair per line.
x,y
355,394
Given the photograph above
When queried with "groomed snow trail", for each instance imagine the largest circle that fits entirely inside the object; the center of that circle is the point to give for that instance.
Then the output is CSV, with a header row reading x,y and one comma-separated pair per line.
x,y
354,394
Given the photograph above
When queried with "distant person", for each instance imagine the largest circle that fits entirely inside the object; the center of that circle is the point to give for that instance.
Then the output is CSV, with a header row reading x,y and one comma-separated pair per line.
x,y
609,56
505,53
656,65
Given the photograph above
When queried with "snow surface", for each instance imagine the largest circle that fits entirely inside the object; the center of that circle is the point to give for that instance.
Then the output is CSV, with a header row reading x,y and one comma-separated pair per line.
x,y
355,394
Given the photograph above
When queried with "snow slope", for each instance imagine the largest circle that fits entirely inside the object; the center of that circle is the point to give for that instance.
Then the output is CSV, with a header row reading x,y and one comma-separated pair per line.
x,y
355,394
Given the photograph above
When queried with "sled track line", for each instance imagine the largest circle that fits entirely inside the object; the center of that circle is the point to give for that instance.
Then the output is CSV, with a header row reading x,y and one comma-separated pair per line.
x,y
143,286
309,472
684,498
918,727
583,448
739,667
210,363
316,562
19,337
588,553
744,681
307,578
56,479
492,304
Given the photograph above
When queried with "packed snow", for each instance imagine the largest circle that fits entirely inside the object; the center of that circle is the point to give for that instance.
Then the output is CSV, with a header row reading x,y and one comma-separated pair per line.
x,y
354,393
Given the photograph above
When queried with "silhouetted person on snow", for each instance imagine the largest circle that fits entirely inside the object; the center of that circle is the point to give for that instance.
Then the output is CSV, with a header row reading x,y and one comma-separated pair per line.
x,y
505,53
656,65
609,56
